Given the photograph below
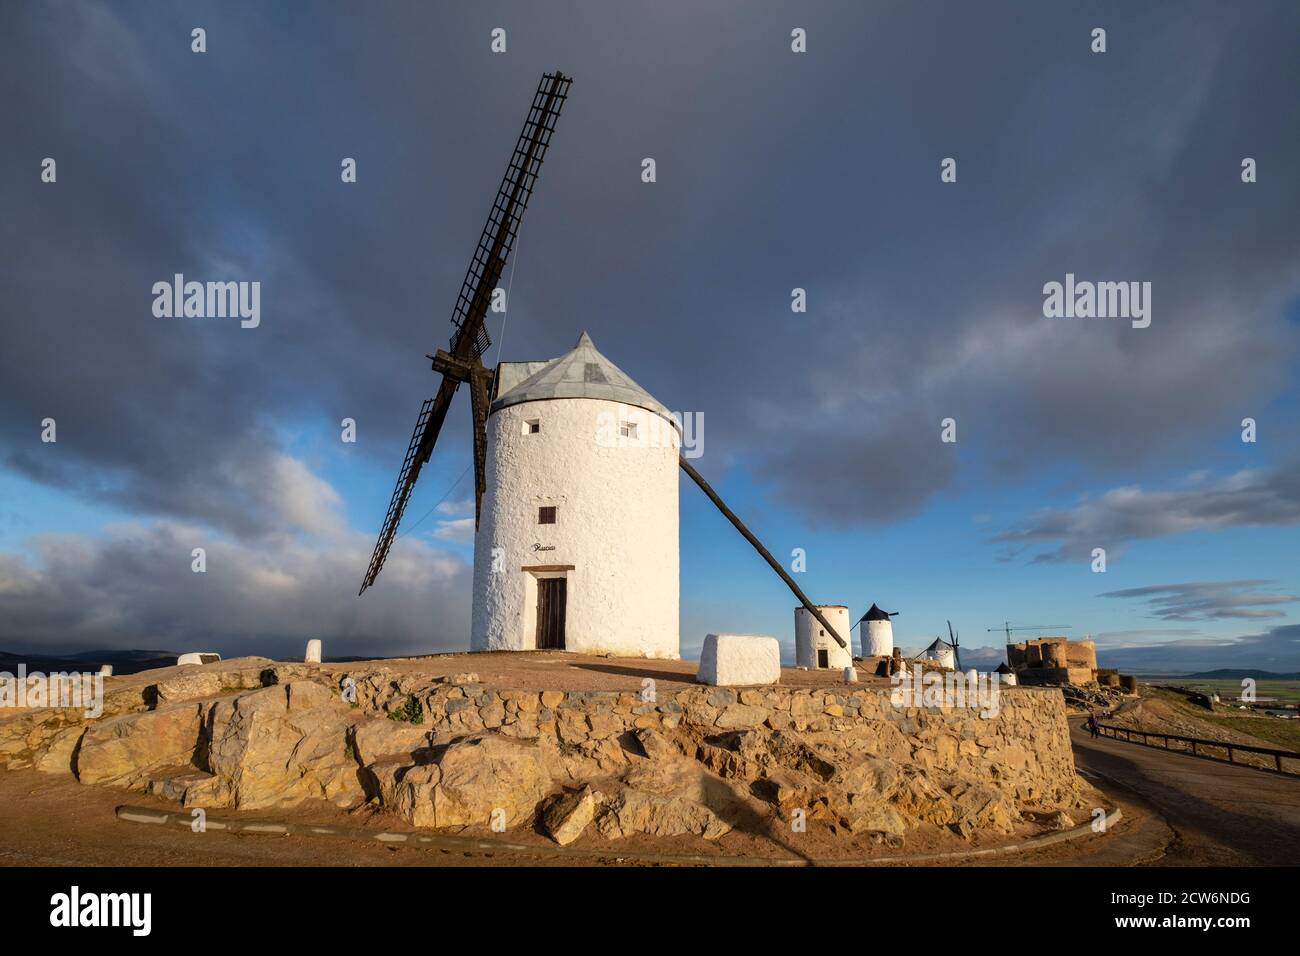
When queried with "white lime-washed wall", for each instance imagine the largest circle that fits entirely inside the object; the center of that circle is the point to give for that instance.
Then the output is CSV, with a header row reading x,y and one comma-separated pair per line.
x,y
616,524
810,637
877,638
946,657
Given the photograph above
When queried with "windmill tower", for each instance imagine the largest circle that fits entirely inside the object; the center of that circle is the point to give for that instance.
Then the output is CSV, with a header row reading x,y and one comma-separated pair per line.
x,y
813,646
942,652
577,548
575,487
878,634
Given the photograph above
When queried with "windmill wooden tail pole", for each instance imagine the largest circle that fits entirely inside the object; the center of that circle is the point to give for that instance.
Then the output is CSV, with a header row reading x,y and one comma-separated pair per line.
x,y
758,546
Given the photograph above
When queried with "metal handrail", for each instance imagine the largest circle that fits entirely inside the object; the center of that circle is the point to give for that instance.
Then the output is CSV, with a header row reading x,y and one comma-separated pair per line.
x,y
1129,733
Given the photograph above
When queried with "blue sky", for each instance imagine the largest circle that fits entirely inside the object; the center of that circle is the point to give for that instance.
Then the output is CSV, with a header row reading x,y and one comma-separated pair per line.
x,y
776,170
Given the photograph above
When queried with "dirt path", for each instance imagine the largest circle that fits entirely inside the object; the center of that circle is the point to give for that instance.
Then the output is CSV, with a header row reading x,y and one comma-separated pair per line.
x,y
1220,814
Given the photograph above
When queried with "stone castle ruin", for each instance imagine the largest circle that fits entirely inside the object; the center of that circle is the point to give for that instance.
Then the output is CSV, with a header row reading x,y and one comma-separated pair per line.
x,y
1053,660
1047,661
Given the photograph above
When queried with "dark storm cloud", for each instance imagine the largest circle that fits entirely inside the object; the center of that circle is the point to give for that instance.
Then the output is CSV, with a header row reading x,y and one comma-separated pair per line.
x,y
1208,600
827,476
134,587
1249,499
774,171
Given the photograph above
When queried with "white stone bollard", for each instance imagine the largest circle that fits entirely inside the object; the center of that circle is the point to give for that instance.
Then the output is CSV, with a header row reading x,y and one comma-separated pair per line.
x,y
729,660
850,675
106,670
313,652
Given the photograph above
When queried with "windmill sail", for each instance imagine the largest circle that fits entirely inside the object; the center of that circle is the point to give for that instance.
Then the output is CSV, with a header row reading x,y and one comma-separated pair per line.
x,y
502,226
405,482
470,339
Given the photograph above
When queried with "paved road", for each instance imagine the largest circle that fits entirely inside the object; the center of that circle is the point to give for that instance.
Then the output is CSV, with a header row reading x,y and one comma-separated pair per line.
x,y
1220,813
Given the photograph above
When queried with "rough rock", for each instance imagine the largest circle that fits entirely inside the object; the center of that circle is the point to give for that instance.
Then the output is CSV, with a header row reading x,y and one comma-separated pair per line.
x,y
1059,820
194,684
978,806
281,745
381,778
741,715
870,777
1092,698
683,778
26,735
788,789
655,745
414,797
635,811
376,737
123,750
188,787
866,813
568,815
61,751
488,773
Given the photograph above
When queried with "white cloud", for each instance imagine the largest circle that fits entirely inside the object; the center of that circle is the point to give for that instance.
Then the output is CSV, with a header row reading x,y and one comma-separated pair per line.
x,y
456,508
1123,514
132,585
1208,600
458,529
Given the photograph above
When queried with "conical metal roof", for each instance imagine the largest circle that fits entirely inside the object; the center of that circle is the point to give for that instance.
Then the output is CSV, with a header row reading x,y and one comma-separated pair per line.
x,y
581,373
875,614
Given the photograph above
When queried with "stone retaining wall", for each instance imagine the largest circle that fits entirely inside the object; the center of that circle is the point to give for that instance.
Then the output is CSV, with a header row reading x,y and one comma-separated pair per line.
x,y
450,751
1024,746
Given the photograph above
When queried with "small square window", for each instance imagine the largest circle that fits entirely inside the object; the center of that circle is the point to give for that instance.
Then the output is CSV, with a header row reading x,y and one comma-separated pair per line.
x,y
546,514
532,426
627,429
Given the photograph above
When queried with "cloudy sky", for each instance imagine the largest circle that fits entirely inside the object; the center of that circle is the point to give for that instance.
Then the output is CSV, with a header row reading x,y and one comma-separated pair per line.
x,y
775,170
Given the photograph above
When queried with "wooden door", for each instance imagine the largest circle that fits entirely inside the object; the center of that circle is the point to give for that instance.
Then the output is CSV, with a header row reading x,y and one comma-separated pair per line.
x,y
552,595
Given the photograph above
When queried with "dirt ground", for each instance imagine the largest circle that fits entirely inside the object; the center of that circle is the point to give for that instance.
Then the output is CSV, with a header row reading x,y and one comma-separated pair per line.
x,y
535,670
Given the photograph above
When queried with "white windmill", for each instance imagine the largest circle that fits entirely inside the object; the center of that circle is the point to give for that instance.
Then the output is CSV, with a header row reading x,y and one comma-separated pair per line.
x,y
575,469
